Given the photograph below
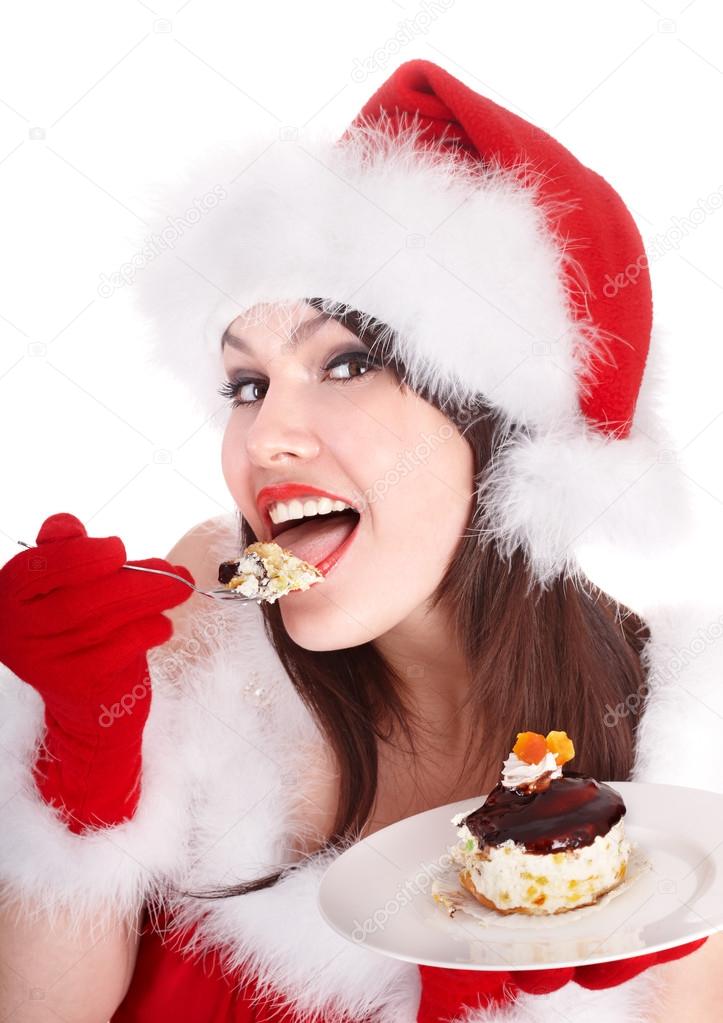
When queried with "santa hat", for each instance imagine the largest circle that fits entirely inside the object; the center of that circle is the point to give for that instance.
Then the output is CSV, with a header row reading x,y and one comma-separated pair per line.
x,y
505,268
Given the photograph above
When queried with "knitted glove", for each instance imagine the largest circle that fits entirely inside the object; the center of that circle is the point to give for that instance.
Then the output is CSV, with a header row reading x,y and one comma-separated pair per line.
x,y
447,993
76,626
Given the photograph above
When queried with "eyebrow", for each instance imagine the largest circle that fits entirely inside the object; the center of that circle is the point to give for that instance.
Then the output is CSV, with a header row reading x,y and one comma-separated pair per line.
x,y
301,334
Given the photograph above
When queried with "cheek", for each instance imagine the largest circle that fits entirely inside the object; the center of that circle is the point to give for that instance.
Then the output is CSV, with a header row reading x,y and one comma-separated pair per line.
x,y
417,473
430,507
234,463
418,477
419,486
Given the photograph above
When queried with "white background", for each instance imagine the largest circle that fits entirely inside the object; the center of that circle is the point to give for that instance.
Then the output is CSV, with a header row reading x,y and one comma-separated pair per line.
x,y
98,98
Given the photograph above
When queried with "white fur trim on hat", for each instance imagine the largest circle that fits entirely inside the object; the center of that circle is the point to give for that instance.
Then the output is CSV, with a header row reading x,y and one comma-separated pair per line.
x,y
555,490
460,263
462,266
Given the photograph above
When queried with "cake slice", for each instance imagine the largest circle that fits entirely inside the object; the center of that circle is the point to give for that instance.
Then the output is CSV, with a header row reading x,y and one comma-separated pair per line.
x,y
267,571
542,842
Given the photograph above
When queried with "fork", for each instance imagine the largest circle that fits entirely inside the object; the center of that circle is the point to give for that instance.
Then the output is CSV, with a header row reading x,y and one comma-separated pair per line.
x,y
218,594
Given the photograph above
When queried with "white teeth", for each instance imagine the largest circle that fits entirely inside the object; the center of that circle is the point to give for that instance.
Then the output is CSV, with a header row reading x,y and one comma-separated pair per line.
x,y
296,509
282,511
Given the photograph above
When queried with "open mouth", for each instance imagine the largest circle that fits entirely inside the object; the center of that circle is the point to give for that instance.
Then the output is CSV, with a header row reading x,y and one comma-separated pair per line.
x,y
319,539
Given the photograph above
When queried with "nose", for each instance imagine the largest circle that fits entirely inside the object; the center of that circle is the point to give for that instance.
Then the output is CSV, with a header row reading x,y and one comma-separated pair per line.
x,y
280,429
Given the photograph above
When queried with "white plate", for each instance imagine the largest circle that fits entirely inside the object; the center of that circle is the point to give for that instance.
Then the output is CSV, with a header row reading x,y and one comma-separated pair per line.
x,y
378,892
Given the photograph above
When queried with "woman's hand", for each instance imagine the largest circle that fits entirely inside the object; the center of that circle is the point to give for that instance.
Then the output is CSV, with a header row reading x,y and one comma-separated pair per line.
x,y
447,993
76,627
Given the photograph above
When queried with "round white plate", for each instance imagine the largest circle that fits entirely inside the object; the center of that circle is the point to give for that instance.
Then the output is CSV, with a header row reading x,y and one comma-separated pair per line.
x,y
379,892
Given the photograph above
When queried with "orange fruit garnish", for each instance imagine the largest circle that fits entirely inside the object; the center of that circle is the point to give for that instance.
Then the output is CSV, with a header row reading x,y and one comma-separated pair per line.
x,y
530,747
561,745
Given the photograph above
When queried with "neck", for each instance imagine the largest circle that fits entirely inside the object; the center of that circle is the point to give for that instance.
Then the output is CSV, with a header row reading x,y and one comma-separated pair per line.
x,y
425,653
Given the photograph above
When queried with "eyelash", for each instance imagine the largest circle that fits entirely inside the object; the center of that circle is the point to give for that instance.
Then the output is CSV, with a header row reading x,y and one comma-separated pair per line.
x,y
230,388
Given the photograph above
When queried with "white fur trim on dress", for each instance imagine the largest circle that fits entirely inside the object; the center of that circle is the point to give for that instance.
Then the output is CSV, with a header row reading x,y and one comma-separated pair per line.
x,y
236,740
679,733
628,1003
91,877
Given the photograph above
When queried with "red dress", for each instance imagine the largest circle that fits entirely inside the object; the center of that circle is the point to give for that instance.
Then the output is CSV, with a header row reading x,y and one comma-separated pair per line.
x,y
167,987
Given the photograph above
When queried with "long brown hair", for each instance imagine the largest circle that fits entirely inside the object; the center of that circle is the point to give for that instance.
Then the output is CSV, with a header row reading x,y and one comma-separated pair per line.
x,y
539,658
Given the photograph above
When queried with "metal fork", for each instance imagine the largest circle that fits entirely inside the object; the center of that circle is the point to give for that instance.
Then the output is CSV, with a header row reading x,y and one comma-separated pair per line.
x,y
217,594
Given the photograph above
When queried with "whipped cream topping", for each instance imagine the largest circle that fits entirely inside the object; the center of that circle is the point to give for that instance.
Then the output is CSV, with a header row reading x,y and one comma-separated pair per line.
x,y
517,773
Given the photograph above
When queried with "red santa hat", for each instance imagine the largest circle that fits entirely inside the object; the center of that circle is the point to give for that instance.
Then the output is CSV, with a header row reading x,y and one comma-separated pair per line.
x,y
505,268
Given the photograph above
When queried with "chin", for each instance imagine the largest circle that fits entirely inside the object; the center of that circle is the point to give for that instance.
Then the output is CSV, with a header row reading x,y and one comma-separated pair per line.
x,y
321,626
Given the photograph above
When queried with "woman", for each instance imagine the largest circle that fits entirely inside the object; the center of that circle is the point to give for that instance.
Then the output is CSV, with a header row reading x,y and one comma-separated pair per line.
x,y
479,417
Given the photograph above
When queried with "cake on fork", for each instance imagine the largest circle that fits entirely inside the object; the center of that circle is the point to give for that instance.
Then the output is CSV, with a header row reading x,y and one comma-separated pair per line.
x,y
267,571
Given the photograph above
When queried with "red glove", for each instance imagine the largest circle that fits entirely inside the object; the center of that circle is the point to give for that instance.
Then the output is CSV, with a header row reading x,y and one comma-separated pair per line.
x,y
447,993
76,626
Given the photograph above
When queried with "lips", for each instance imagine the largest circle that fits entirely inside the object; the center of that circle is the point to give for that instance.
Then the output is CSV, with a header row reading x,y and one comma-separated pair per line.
x,y
286,492
321,540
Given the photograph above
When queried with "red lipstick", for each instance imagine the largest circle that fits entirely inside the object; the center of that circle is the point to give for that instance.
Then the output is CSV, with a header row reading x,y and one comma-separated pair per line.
x,y
287,491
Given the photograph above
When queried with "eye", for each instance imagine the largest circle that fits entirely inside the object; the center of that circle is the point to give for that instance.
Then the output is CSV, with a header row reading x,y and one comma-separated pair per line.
x,y
241,391
361,360
233,389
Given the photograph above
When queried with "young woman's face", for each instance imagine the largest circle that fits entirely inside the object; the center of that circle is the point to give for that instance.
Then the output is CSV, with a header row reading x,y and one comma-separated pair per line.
x,y
317,412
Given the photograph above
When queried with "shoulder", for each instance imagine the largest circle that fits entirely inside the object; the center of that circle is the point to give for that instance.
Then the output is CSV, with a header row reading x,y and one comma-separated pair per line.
x,y
203,546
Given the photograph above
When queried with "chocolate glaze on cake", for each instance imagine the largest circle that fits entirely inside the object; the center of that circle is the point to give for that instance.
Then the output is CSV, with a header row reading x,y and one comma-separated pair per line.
x,y
226,571
570,813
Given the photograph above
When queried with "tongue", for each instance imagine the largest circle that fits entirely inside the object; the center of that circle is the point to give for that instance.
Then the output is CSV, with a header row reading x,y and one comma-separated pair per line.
x,y
316,538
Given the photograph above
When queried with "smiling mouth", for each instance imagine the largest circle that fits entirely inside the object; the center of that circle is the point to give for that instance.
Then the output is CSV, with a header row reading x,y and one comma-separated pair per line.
x,y
318,537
